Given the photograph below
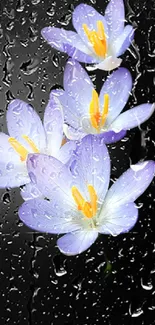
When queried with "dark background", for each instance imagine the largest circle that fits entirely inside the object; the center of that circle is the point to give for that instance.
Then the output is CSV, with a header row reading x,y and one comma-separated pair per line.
x,y
113,283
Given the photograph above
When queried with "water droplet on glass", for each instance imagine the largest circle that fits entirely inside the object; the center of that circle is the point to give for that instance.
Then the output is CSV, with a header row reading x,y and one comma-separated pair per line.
x,y
30,66
59,265
51,11
6,198
147,286
35,2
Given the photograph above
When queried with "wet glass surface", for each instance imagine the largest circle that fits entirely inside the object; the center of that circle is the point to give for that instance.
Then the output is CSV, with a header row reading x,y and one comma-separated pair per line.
x,y
113,282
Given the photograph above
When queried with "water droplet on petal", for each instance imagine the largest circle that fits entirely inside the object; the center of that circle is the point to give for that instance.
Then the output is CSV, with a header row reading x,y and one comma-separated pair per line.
x,y
10,166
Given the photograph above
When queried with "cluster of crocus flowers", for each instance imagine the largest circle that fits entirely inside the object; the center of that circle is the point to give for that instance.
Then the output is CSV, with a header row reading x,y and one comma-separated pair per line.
x,y
63,162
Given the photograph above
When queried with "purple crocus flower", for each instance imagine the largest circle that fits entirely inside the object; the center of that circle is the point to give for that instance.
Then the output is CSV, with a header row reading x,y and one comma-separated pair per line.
x,y
79,203
98,39
27,134
87,113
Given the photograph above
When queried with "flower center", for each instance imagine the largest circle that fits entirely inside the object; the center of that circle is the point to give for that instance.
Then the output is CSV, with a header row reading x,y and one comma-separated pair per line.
x,y
98,119
20,149
97,38
87,208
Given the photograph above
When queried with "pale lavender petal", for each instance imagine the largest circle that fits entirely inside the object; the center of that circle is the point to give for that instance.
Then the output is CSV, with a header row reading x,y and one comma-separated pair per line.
x,y
133,117
115,17
73,134
13,171
118,86
53,125
67,103
92,166
52,178
118,219
45,216
131,184
110,63
68,42
85,14
30,191
111,137
76,242
123,41
66,151
23,120
78,85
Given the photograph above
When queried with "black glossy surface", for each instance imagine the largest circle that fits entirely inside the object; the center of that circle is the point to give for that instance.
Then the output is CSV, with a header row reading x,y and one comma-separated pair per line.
x,y
113,283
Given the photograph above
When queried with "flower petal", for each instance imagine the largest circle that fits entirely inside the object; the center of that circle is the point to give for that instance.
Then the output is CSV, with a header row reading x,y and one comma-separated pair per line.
x,y
115,17
53,125
68,42
23,120
110,63
123,41
52,178
111,137
78,85
133,117
67,103
76,242
118,219
92,165
131,184
45,216
66,151
118,86
85,14
30,191
13,172
73,134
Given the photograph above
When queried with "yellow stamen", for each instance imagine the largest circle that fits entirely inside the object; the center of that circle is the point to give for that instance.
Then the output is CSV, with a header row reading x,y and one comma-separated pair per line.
x,y
93,198
97,38
18,148
105,109
94,110
100,30
31,143
97,119
88,208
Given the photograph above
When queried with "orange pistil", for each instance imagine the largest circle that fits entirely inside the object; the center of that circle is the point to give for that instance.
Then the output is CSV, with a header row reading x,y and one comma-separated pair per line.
x,y
19,148
88,208
97,119
97,38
